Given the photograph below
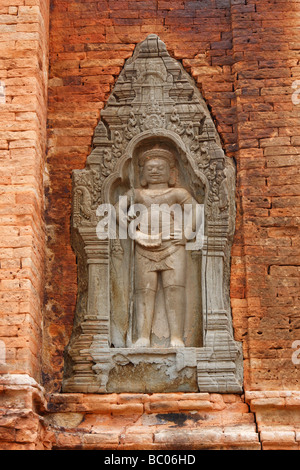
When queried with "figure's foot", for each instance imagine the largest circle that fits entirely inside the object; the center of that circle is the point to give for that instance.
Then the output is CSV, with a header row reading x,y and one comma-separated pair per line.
x,y
176,343
142,343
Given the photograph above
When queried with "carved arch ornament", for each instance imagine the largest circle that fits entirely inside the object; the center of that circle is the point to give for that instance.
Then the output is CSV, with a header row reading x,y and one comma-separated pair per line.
x,y
154,102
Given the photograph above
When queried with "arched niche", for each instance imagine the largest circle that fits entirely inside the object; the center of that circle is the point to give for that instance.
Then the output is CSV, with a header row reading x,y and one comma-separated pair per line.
x,y
186,165
154,101
115,186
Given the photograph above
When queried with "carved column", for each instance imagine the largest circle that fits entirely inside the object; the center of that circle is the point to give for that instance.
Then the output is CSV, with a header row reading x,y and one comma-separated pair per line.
x,y
95,323
219,366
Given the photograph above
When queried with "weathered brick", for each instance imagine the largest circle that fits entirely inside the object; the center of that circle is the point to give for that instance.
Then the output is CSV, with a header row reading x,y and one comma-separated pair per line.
x,y
244,57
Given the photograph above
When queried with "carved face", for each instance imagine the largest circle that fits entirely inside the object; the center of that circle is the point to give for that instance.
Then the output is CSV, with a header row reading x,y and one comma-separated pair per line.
x,y
156,171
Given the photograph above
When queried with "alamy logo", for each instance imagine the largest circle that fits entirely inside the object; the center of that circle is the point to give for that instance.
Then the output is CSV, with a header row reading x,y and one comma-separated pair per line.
x,y
296,354
152,225
296,94
2,92
2,353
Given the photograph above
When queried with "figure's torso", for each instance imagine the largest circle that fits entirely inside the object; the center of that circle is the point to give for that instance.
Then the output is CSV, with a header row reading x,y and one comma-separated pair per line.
x,y
163,213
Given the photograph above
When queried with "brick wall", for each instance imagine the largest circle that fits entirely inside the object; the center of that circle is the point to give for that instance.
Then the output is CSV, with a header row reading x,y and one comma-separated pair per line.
x,y
23,111
23,72
266,256
244,56
89,43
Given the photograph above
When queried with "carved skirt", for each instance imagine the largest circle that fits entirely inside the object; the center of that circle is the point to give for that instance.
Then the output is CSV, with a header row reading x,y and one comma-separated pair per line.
x,y
170,262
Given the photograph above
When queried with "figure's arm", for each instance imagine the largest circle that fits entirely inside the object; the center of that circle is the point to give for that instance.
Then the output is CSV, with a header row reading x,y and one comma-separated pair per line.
x,y
191,216
189,206
121,208
123,215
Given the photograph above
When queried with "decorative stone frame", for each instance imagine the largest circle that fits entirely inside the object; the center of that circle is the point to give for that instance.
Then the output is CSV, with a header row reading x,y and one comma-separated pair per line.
x,y
154,99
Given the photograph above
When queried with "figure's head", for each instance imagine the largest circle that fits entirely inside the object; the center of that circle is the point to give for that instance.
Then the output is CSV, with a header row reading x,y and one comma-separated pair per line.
x,y
157,166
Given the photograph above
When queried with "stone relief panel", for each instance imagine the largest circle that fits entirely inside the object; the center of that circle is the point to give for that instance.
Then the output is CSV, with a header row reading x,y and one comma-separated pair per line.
x,y
153,309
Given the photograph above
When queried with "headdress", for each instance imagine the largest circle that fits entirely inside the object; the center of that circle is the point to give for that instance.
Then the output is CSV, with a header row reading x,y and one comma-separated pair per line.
x,y
157,153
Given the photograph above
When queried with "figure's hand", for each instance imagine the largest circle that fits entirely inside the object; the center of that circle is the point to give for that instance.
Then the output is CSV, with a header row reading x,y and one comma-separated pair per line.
x,y
132,215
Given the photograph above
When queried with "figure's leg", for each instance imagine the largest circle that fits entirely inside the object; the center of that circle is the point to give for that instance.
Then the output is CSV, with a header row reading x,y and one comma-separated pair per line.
x,y
175,307
145,301
145,293
174,292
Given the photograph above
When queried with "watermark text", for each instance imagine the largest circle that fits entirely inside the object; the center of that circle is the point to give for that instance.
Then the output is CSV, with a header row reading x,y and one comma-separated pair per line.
x,y
152,225
2,353
296,353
